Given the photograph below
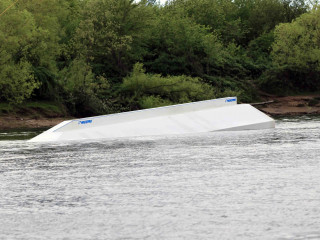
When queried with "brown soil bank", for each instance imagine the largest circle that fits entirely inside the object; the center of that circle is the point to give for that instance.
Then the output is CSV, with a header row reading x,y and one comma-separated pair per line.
x,y
39,114
16,122
271,105
290,105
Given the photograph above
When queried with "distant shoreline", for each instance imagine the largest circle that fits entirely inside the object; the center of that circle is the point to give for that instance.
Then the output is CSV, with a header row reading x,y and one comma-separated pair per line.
x,y
272,105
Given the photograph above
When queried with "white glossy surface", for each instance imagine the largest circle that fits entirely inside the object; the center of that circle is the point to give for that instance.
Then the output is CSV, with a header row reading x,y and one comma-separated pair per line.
x,y
205,116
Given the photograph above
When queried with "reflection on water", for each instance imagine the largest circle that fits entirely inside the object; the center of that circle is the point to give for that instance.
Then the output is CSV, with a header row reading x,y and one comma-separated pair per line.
x,y
224,185
20,134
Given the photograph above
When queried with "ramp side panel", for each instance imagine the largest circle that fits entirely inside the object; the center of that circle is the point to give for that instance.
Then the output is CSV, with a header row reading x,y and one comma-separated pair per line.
x,y
236,117
92,122
50,134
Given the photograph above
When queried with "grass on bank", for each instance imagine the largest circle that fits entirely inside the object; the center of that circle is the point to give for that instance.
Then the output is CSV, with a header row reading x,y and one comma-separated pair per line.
x,y
34,109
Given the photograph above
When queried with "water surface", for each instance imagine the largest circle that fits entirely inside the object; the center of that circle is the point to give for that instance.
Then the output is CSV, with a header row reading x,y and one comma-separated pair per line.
x,y
224,185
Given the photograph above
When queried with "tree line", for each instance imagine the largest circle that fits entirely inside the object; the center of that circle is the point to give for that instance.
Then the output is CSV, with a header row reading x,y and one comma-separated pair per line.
x,y
105,56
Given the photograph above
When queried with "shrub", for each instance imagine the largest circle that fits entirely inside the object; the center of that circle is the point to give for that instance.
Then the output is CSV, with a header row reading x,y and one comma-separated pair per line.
x,y
148,90
81,89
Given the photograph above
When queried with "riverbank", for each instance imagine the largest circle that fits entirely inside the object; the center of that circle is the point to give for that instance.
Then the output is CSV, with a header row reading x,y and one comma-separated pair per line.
x,y
48,115
22,122
276,106
41,114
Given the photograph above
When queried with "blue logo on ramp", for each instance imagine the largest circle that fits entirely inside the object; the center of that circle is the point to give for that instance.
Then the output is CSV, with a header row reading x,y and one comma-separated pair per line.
x,y
230,100
85,122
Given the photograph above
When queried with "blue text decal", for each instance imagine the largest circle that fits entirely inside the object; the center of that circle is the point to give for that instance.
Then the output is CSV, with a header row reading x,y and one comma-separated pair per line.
x,y
230,100
85,122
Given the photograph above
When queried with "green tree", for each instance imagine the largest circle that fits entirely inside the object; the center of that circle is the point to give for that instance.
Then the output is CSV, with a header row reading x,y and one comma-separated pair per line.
x,y
112,35
218,15
179,46
17,31
296,53
52,19
81,89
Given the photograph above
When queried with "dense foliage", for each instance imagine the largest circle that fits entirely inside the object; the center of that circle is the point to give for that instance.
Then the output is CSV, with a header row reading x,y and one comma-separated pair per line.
x,y
103,56
296,54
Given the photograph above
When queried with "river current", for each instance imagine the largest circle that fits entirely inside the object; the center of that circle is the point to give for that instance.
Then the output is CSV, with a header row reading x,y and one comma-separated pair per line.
x,y
261,184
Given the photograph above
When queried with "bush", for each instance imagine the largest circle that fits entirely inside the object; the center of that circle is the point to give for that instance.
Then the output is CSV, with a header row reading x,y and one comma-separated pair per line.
x,y
144,90
82,90
283,80
16,82
296,54
153,101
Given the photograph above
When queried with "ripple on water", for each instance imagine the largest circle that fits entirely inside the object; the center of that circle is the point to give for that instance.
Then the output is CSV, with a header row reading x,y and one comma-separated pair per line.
x,y
224,185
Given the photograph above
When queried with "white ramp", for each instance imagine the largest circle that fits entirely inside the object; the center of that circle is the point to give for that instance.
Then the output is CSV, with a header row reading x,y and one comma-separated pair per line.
x,y
205,116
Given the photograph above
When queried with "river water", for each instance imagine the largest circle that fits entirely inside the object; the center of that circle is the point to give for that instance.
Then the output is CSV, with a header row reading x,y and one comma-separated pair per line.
x,y
223,185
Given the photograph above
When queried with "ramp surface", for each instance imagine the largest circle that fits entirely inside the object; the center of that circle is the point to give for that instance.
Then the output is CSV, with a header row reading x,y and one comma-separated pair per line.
x,y
205,116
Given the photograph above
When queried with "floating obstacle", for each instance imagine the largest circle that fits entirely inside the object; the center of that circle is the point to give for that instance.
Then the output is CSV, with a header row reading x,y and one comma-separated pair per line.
x,y
223,114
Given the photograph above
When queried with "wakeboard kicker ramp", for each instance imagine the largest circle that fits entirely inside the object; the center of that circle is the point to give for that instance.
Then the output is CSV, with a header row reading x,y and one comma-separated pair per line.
x,y
223,114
